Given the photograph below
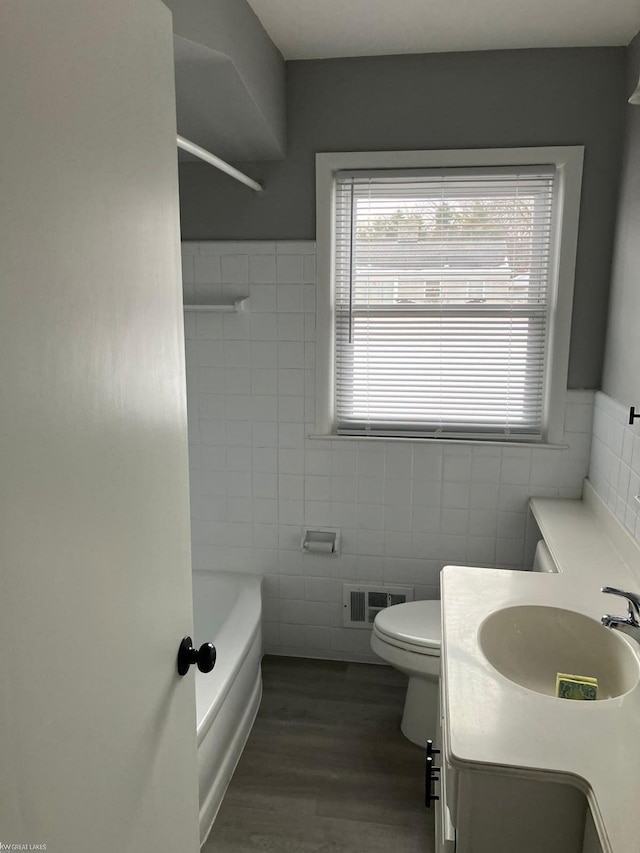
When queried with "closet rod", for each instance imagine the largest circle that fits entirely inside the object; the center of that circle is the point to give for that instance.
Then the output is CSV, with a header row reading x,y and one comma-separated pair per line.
x,y
205,155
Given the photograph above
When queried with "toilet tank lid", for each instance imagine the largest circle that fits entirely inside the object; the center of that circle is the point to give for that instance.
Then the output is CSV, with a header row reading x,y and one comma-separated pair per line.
x,y
416,622
543,561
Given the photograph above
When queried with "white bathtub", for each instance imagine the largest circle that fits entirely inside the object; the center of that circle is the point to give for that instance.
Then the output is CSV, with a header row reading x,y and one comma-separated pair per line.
x,y
227,611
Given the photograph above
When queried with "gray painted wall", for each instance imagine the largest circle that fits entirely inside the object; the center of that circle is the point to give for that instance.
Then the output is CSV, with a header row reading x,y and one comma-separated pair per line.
x,y
622,355
463,100
218,105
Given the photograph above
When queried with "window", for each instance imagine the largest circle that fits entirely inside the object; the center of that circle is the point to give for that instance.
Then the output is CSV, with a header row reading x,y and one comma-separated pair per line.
x,y
445,286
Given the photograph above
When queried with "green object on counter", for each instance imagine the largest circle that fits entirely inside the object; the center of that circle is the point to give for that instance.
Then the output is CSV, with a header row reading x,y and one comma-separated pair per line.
x,y
580,687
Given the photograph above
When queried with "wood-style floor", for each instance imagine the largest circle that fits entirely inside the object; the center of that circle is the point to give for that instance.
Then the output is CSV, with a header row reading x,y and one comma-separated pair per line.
x,y
326,769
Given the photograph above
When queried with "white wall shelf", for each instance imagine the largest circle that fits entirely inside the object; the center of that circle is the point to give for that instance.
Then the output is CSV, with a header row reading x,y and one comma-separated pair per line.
x,y
227,307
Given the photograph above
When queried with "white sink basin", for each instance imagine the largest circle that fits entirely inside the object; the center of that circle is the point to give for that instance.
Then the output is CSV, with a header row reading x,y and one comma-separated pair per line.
x,y
530,644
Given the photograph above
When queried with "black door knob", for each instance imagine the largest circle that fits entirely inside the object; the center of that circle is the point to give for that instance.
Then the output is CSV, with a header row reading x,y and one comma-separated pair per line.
x,y
204,657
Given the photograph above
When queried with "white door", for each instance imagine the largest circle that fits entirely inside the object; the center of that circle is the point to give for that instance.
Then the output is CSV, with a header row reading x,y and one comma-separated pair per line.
x,y
97,731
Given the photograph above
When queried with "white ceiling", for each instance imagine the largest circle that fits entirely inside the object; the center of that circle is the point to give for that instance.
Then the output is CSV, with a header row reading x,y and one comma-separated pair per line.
x,y
316,29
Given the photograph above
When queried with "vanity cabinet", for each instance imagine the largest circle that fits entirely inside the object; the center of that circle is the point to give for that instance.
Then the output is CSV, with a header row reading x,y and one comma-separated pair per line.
x,y
500,814
494,810
523,761
591,842
444,791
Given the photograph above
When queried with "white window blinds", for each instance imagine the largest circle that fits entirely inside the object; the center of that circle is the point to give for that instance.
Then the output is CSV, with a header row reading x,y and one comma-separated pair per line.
x,y
441,303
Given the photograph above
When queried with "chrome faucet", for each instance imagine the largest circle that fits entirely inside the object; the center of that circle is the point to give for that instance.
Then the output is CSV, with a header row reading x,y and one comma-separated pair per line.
x,y
629,624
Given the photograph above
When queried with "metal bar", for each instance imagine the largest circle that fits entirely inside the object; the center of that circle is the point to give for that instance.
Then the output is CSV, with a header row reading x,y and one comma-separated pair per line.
x,y
238,305
205,155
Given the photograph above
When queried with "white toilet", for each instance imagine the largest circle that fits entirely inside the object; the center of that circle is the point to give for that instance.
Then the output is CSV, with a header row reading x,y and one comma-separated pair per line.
x,y
408,636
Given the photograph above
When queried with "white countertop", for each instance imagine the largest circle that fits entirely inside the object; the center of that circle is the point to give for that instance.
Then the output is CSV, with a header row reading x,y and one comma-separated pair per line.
x,y
492,722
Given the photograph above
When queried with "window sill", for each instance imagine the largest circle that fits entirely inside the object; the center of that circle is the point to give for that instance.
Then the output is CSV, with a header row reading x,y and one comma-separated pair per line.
x,y
468,442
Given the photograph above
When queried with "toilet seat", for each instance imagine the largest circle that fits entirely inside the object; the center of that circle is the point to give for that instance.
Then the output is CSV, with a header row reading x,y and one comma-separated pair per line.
x,y
414,626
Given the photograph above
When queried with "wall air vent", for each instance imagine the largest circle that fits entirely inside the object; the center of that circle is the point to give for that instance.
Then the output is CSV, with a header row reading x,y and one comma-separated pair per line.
x,y
361,603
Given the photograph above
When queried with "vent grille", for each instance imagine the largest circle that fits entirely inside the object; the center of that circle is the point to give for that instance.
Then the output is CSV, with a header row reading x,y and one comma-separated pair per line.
x,y
358,606
378,599
363,603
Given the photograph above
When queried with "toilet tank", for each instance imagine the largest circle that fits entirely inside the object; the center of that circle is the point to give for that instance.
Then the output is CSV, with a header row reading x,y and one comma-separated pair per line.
x,y
543,561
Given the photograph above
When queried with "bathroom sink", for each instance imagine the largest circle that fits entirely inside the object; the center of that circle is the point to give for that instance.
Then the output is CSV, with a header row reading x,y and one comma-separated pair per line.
x,y
530,644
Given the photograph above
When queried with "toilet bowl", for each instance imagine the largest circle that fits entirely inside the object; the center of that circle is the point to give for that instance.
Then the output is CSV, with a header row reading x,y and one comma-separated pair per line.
x,y
408,636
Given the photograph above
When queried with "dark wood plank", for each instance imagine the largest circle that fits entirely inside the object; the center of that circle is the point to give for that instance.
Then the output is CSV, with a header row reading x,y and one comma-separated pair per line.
x,y
326,767
238,831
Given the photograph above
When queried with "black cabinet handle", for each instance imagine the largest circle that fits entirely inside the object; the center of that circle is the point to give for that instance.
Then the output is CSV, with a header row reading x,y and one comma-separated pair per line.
x,y
431,750
429,776
204,657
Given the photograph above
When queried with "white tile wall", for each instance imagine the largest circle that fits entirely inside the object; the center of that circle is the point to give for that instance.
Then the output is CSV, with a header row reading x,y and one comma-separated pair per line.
x,y
405,509
615,460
